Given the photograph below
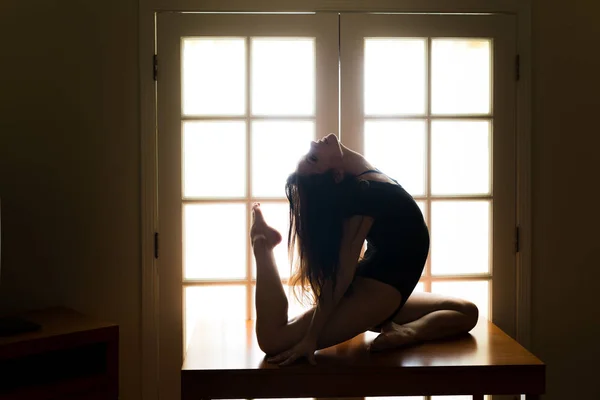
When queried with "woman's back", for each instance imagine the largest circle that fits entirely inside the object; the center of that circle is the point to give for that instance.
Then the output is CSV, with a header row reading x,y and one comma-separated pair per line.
x,y
396,215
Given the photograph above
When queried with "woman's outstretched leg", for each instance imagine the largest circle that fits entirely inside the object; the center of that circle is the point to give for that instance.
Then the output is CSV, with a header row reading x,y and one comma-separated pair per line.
x,y
270,299
427,316
367,304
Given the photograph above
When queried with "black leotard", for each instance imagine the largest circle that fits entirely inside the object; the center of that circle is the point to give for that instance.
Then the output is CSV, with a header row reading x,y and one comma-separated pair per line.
x,y
398,242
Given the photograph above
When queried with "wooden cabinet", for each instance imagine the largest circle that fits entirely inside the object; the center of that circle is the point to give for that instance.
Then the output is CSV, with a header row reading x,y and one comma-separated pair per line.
x,y
71,357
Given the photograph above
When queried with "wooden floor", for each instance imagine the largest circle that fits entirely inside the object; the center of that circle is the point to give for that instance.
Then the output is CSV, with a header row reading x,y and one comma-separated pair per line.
x,y
224,361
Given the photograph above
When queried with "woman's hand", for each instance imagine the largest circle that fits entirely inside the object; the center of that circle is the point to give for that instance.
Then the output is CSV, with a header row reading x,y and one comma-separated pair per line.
x,y
305,348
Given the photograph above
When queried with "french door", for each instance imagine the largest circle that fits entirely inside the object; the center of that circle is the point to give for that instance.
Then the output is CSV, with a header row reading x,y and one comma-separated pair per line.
x,y
428,99
240,97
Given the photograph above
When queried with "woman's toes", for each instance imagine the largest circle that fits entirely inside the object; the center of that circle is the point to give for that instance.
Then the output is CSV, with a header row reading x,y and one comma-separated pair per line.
x,y
257,213
396,337
381,342
260,228
258,222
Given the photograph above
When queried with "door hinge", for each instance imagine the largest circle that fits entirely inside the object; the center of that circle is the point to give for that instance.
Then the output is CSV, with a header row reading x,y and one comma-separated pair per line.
x,y
517,67
155,67
155,244
517,239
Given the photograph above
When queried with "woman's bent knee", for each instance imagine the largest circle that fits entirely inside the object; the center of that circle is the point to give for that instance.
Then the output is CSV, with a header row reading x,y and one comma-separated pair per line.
x,y
275,339
471,311
465,307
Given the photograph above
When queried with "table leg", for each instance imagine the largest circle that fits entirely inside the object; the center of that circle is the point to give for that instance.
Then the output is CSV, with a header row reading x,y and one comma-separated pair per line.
x,y
477,397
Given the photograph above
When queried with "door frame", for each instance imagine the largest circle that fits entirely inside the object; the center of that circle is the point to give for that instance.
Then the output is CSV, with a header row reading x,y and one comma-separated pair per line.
x,y
147,11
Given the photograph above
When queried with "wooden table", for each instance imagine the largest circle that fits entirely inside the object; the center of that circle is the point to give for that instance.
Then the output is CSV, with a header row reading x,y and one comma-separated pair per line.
x,y
224,361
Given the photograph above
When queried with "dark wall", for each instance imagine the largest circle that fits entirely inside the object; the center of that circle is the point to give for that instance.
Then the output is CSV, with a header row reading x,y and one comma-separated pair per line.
x,y
70,163
566,216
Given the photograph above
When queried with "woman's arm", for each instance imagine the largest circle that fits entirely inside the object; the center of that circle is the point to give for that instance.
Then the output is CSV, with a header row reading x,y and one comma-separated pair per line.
x,y
355,231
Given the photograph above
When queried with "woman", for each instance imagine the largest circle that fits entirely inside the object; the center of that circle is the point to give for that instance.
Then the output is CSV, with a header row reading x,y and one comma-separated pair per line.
x,y
337,200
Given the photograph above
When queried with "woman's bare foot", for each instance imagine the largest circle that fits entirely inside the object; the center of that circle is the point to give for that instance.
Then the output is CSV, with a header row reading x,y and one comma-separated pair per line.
x,y
260,229
393,336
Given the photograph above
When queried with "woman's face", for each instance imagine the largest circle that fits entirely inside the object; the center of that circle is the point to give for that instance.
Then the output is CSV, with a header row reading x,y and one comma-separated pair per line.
x,y
323,155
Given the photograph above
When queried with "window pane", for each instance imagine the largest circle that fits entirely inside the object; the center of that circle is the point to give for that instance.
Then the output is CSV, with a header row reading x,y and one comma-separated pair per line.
x,y
214,242
211,151
461,76
423,207
283,76
419,288
395,76
295,306
277,216
398,148
276,149
460,237
214,76
212,303
460,157
475,291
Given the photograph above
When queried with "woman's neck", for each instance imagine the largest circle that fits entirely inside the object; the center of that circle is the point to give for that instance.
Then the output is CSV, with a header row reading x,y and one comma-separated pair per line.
x,y
353,162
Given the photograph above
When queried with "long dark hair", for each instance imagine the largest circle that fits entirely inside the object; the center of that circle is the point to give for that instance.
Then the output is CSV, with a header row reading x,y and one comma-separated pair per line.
x,y
317,214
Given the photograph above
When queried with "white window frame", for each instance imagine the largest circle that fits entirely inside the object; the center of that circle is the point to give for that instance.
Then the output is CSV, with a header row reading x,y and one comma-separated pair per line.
x,y
149,190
